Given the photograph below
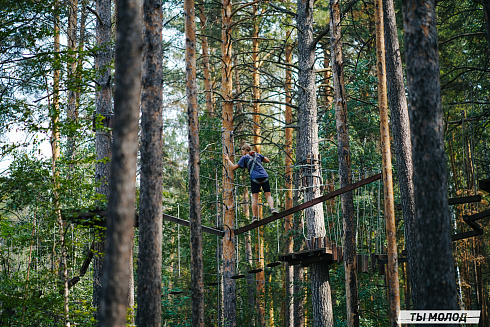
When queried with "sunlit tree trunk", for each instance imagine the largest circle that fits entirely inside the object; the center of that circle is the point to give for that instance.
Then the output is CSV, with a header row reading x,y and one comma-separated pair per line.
x,y
349,219
257,140
246,210
55,154
151,184
121,219
229,285
205,61
389,200
401,135
435,272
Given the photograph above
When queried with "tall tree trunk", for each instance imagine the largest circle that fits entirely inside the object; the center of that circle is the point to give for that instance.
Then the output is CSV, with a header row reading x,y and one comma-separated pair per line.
x,y
130,305
151,185
103,136
288,221
121,219
197,281
72,110
299,296
246,212
308,159
257,140
435,272
205,61
486,12
349,219
256,81
389,200
81,45
229,286
299,290
55,154
400,125
249,259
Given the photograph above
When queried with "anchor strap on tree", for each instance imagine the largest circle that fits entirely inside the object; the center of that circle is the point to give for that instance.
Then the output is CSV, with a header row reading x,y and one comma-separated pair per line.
x,y
251,165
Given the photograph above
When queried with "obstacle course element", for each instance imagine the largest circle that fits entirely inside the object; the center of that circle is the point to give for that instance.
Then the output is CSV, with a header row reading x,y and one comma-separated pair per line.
x,y
97,218
471,220
307,204
317,250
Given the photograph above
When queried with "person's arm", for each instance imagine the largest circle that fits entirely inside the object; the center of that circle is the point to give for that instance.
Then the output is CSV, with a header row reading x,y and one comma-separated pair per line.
x,y
231,164
265,159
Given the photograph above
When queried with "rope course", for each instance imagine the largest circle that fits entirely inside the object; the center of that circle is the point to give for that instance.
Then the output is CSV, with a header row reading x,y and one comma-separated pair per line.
x,y
370,231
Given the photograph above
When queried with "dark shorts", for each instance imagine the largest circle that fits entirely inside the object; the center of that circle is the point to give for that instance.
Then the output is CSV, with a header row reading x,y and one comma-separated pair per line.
x,y
256,187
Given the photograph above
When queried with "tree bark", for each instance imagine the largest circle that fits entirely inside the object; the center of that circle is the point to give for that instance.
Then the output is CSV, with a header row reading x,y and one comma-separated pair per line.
x,y
389,200
289,273
197,281
246,212
55,154
257,141
349,219
121,218
72,110
435,272
229,286
308,158
401,136
103,136
150,215
486,12
208,89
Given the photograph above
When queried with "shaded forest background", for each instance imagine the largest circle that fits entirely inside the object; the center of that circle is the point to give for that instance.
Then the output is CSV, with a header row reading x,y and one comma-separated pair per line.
x,y
34,240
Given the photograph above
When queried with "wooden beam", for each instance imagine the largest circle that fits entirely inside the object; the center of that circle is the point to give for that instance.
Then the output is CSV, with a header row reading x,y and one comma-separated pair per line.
x,y
464,199
308,204
83,270
471,221
464,235
484,185
86,218
477,216
184,222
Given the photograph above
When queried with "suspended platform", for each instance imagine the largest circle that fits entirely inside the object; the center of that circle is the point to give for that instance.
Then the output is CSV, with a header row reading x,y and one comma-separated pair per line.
x,y
319,249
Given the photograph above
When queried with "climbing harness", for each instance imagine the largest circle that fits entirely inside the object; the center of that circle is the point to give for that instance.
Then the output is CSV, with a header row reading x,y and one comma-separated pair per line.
x,y
251,165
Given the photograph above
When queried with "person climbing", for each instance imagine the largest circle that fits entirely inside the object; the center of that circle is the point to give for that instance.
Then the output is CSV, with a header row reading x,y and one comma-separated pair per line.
x,y
258,177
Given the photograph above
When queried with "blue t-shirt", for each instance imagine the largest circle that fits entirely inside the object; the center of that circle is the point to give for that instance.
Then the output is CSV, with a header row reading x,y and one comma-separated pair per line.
x,y
258,171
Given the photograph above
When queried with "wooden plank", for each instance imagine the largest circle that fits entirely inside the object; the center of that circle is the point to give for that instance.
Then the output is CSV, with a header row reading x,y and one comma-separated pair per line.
x,y
365,263
83,270
473,224
484,184
307,204
477,216
307,261
464,235
86,218
464,199
184,222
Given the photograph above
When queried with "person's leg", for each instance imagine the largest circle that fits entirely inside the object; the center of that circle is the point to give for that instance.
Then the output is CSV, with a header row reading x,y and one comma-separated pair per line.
x,y
255,199
255,204
270,200
267,192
